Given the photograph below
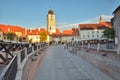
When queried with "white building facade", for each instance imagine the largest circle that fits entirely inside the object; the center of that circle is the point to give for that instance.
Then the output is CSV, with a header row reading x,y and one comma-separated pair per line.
x,y
91,34
93,31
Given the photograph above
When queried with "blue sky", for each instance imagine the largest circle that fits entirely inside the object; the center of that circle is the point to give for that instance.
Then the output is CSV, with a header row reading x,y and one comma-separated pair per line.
x,y
32,13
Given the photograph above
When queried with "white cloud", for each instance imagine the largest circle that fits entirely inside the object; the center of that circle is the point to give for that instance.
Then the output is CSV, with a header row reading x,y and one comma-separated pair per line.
x,y
64,26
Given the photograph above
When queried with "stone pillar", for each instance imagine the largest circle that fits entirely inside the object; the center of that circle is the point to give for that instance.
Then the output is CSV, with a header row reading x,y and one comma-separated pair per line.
x,y
26,56
32,48
98,46
19,60
40,45
82,45
88,45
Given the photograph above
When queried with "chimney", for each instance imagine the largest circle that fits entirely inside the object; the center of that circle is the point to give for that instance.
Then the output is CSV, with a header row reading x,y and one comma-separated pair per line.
x,y
8,29
38,29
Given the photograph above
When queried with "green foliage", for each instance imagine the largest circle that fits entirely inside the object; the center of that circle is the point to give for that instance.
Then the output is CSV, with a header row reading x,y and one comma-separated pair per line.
x,y
10,36
43,37
30,40
20,39
109,33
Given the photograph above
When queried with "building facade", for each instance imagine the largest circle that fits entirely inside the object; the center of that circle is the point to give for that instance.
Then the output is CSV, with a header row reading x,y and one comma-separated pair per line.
x,y
27,35
1,35
5,29
93,31
70,35
116,26
51,22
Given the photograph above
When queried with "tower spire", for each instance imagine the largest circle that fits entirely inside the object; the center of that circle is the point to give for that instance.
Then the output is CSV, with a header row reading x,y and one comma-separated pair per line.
x,y
100,21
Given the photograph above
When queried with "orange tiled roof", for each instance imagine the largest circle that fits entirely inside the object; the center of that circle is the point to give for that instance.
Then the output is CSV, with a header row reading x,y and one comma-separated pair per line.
x,y
58,31
57,34
25,32
107,24
95,26
67,32
73,32
10,28
36,31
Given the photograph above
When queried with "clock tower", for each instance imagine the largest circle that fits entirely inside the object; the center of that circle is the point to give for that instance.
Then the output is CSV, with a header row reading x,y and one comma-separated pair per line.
x,y
51,23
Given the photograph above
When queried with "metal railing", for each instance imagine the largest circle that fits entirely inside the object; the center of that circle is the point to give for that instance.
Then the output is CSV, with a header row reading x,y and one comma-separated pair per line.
x,y
18,62
10,74
29,50
22,55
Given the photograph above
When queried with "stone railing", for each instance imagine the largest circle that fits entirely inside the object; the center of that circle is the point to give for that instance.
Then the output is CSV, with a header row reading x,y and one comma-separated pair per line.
x,y
97,46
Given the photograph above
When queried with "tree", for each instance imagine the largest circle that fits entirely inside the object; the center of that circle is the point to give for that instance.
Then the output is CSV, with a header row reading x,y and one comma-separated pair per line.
x,y
20,39
43,37
10,36
109,33
30,40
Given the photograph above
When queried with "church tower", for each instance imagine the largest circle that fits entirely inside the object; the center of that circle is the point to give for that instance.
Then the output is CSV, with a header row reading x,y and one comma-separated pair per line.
x,y
100,20
51,23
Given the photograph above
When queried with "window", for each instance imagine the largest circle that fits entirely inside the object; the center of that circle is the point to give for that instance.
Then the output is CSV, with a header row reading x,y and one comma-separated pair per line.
x,y
92,31
83,36
102,36
97,35
4,37
97,31
88,35
36,37
92,35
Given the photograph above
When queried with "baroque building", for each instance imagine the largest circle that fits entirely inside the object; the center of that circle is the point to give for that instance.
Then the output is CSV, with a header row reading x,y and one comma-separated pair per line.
x,y
51,22
27,35
93,31
70,35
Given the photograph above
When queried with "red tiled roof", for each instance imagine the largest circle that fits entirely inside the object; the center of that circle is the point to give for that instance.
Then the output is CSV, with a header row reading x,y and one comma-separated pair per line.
x,y
10,28
13,29
36,31
67,32
73,32
58,31
57,34
107,24
95,26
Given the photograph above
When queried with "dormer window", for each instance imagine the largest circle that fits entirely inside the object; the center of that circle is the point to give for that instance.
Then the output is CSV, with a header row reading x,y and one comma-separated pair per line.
x,y
8,29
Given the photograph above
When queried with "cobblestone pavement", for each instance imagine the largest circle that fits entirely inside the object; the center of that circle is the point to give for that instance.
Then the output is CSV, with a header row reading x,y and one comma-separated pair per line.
x,y
59,64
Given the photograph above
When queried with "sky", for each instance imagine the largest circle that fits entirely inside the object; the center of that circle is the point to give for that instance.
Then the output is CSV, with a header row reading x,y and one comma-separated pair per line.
x,y
33,13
